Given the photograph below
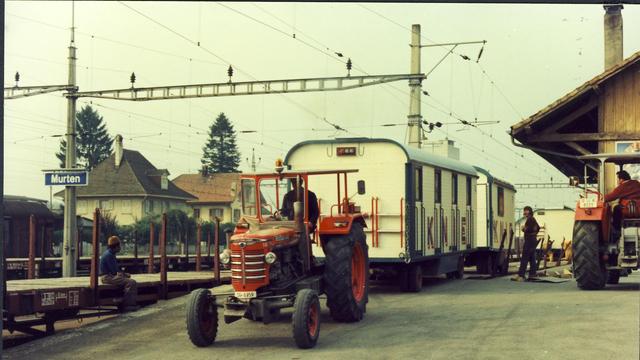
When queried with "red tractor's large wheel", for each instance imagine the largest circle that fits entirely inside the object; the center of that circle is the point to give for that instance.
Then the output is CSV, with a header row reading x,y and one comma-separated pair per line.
x,y
346,275
588,269
306,319
202,318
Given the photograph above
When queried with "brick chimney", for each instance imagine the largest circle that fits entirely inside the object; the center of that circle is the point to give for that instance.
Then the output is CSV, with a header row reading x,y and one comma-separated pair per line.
x,y
118,150
612,35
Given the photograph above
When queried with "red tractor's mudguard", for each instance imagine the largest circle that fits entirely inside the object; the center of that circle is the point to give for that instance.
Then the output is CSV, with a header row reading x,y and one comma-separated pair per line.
x,y
601,214
339,224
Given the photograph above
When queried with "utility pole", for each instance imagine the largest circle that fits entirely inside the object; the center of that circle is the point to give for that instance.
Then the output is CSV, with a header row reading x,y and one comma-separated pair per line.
x,y
415,86
70,229
253,162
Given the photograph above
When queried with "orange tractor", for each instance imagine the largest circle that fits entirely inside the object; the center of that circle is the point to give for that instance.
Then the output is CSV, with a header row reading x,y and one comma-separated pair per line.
x,y
601,254
272,266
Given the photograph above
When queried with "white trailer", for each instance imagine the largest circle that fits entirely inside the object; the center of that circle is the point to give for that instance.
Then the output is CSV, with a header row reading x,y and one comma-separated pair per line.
x,y
420,207
496,222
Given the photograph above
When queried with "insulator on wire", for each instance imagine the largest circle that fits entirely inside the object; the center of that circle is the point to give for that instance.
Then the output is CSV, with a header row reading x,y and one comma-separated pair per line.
x,y
17,78
349,66
230,72
480,52
133,78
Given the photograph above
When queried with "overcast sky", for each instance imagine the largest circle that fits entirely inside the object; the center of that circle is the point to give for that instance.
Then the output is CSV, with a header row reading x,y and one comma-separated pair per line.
x,y
534,54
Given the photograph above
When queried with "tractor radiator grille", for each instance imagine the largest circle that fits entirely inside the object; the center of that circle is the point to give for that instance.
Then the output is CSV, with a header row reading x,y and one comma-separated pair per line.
x,y
249,268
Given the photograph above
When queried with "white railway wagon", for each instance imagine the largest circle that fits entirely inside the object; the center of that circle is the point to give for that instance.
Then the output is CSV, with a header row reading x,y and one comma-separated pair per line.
x,y
496,222
421,207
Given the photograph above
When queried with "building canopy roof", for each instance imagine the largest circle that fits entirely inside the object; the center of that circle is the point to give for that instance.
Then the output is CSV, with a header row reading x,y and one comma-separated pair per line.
x,y
135,176
212,188
569,125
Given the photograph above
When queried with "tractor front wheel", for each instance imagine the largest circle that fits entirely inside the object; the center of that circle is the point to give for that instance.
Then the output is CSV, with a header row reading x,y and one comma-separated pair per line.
x,y
346,275
306,319
202,318
588,269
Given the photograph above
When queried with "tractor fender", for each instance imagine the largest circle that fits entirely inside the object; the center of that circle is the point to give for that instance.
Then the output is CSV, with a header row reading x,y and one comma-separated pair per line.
x,y
595,214
340,224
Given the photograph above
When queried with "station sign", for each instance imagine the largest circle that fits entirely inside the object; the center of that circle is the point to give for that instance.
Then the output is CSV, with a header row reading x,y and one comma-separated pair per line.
x,y
66,178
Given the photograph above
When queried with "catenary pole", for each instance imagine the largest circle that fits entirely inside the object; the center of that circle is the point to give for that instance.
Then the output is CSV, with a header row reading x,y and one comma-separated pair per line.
x,y
69,231
415,90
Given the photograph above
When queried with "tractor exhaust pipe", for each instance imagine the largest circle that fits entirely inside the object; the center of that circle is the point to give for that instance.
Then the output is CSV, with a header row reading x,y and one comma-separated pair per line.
x,y
303,236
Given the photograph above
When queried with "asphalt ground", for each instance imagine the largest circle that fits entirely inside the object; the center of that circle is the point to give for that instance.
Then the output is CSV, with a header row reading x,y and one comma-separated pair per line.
x,y
450,319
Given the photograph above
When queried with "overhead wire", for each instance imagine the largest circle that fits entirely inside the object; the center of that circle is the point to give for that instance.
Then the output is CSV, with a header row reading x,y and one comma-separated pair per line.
x,y
200,46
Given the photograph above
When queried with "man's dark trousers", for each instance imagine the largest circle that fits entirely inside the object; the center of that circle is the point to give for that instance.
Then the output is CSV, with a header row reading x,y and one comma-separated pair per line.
x,y
529,256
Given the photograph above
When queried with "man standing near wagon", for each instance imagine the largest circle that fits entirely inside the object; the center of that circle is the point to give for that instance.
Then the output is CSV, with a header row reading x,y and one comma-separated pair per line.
x,y
530,230
110,275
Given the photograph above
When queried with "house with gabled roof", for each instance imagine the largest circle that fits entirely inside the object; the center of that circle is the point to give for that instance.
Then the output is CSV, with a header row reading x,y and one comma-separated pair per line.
x,y
217,195
127,186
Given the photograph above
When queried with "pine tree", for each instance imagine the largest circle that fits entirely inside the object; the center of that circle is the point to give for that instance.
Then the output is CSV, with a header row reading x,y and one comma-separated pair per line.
x,y
220,153
93,142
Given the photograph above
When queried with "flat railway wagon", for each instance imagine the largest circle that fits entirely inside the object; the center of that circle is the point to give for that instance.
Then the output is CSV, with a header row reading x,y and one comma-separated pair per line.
x,y
496,223
421,215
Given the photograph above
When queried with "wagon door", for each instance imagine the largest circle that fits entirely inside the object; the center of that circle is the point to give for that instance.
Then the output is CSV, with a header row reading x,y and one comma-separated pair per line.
x,y
438,212
418,218
455,214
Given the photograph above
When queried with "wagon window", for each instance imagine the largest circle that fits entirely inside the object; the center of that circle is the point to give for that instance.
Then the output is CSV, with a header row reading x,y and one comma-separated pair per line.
x,y
437,186
469,192
454,188
500,201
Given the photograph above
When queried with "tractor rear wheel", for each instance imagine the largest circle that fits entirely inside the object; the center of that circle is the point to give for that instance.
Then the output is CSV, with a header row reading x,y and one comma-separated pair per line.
x,y
306,319
346,275
202,318
588,269
613,277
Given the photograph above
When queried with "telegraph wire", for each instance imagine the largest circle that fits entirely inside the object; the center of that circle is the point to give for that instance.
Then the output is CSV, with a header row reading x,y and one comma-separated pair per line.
x,y
119,42
197,44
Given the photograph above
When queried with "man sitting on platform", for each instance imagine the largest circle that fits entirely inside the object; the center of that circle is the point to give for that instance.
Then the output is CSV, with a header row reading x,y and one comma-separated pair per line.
x,y
110,275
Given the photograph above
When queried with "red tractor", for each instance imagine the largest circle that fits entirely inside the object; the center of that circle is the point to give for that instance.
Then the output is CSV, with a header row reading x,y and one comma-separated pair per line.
x,y
272,266
601,254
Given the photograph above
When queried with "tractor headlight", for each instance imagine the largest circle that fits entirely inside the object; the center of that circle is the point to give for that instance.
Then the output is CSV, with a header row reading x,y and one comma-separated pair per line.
x,y
225,257
270,258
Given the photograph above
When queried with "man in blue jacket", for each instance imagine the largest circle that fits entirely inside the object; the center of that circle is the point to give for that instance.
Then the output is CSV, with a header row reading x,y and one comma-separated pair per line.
x,y
111,275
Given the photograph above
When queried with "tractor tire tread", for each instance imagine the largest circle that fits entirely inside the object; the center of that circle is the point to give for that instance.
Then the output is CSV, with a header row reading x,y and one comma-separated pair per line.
x,y
194,306
337,276
588,270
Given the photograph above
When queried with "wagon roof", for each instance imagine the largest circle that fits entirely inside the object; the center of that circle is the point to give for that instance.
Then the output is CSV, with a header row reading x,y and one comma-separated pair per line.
x,y
492,178
413,154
